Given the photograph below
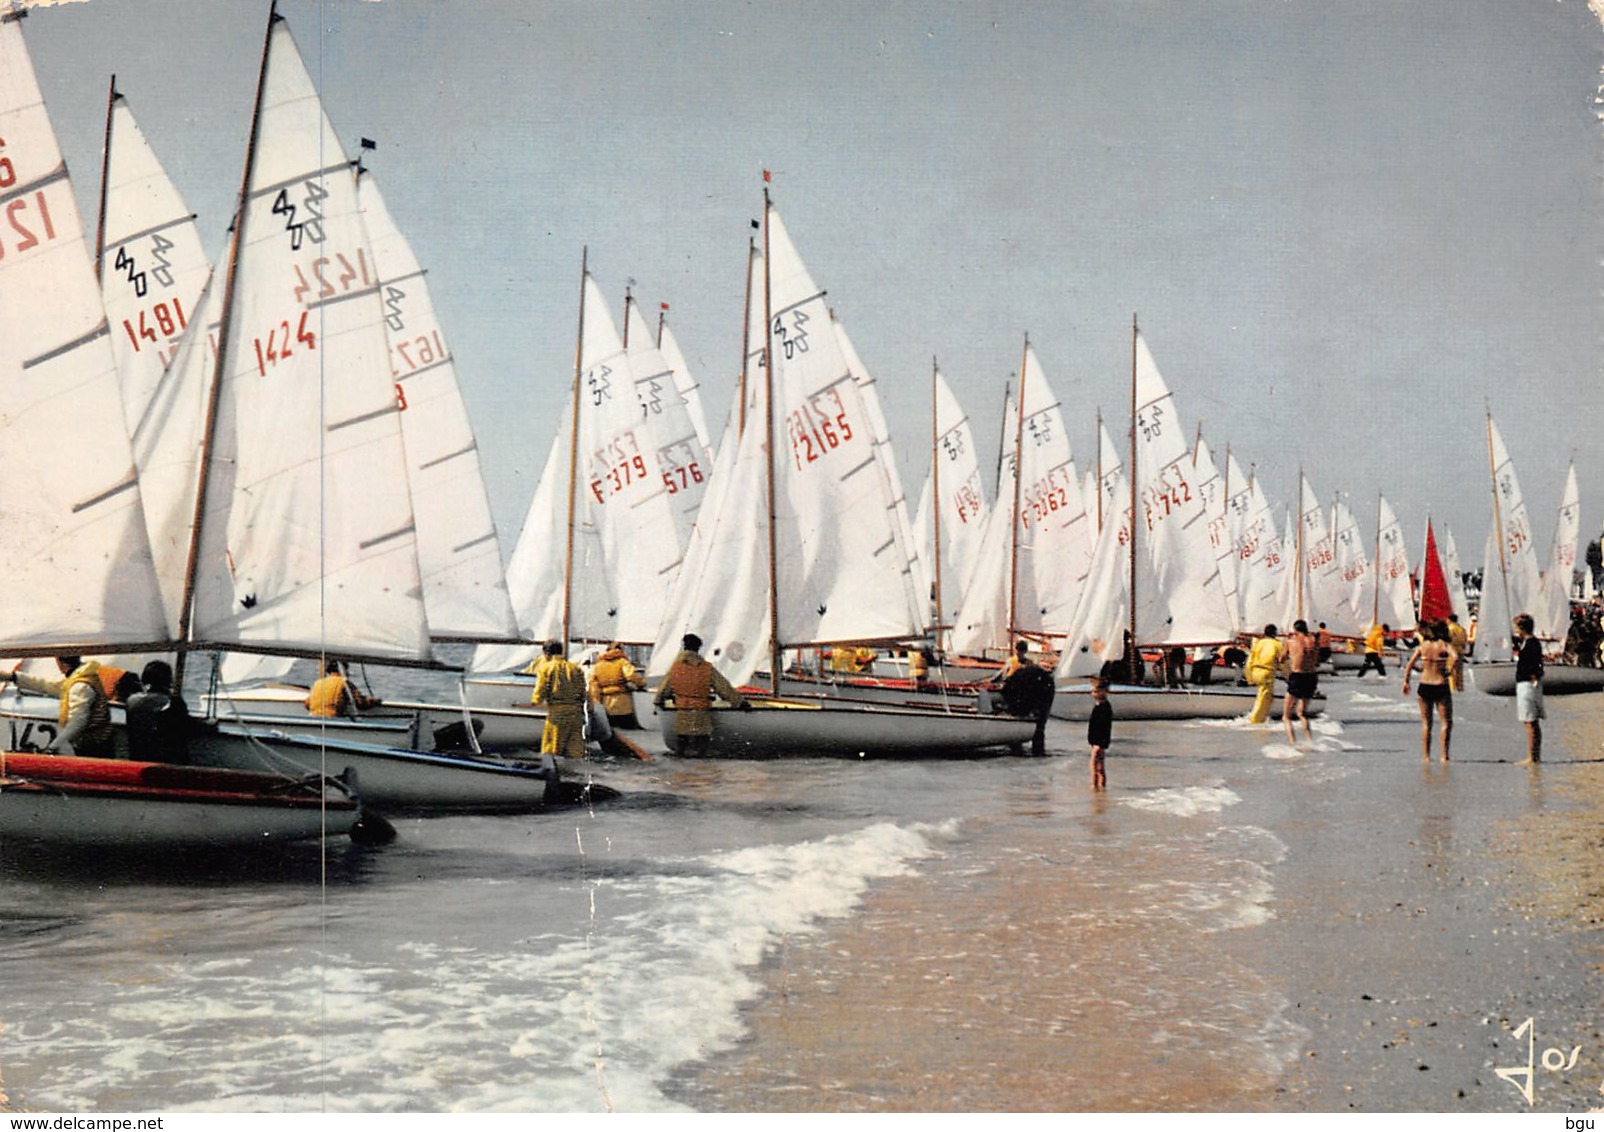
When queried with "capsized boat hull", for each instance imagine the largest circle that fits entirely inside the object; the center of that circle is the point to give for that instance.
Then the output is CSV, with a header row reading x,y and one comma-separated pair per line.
x,y
75,802
1497,678
823,726
395,781
1140,702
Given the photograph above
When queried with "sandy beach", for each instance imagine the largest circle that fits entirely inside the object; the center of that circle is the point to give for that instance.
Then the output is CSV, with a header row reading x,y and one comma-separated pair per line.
x,y
1417,917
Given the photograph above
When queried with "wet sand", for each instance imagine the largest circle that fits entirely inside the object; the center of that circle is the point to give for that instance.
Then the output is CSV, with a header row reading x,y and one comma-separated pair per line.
x,y
1420,915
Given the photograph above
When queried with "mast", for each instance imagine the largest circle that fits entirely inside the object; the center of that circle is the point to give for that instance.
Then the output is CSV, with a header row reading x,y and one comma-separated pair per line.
x,y
935,492
775,651
573,449
105,181
746,323
1013,542
1130,648
220,362
629,301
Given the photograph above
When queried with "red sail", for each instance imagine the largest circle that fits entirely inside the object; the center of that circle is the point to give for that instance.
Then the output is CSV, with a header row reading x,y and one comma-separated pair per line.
x,y
1434,603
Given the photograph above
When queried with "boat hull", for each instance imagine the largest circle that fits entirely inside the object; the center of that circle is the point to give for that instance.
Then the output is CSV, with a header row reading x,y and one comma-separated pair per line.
x,y
508,723
75,802
840,727
1073,702
396,781
1497,678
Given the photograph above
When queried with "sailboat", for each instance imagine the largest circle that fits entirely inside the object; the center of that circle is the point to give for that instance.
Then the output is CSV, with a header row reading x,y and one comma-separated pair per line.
x,y
1512,584
604,537
90,586
798,546
1154,580
1037,548
296,548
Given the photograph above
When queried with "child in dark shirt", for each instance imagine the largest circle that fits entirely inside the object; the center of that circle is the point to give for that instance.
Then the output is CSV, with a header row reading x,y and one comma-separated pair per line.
x,y
1099,730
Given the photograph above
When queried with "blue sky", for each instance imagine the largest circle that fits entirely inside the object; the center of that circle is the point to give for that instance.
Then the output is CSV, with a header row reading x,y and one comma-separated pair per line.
x,y
1346,228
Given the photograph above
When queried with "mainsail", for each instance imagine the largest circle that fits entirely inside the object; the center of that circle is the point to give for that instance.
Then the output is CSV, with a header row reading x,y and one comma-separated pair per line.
x,y
459,554
1555,591
953,502
1040,539
307,541
1512,569
1179,598
76,558
1394,602
835,548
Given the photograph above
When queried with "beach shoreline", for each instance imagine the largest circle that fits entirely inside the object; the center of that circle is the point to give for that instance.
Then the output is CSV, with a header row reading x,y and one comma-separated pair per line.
x,y
1413,919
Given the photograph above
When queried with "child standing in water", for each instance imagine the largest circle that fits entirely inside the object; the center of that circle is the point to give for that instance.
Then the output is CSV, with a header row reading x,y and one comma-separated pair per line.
x,y
1099,730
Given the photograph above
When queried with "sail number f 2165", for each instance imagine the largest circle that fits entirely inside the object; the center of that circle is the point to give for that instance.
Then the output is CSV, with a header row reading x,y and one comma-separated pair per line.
x,y
818,427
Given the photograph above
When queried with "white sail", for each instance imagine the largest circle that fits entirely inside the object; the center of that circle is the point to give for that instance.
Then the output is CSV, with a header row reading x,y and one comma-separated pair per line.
x,y
78,571
459,553
1102,618
153,264
1355,575
1395,602
1186,603
1555,591
961,509
1222,525
690,389
1453,572
719,558
722,592
1112,487
621,486
1265,564
1514,569
841,565
308,541
886,459
169,440
1179,598
1317,591
1495,635
1043,549
670,427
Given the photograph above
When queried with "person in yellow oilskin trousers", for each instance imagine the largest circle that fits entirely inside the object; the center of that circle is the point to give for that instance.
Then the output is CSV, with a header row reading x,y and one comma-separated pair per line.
x,y
561,686
1266,660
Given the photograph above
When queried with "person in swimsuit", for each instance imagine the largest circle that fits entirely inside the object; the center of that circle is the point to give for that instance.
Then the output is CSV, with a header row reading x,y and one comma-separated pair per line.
x,y
1303,654
1437,659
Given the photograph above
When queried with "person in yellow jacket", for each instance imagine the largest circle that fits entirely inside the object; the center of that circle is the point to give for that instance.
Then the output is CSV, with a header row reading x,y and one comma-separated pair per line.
x,y
691,684
1460,640
613,679
561,687
332,694
1375,642
85,715
1266,660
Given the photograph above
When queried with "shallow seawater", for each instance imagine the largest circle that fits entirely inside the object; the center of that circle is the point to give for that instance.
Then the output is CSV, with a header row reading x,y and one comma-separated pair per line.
x,y
719,938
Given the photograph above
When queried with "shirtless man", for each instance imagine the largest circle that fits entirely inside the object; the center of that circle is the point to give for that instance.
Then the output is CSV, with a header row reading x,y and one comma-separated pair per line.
x,y
1303,654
